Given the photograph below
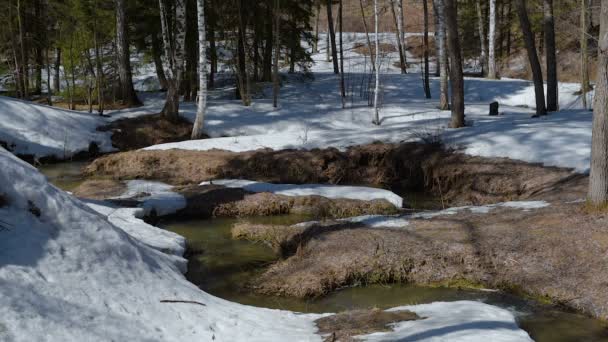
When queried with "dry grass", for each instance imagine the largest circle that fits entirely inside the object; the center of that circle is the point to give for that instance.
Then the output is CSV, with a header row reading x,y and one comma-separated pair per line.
x,y
555,254
415,47
100,189
345,326
363,49
143,131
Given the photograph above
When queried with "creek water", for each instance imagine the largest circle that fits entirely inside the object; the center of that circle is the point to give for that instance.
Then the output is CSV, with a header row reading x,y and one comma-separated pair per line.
x,y
225,265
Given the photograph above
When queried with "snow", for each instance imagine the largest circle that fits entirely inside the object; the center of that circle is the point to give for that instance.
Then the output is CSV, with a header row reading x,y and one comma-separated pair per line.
x,y
330,191
465,321
77,274
33,129
154,196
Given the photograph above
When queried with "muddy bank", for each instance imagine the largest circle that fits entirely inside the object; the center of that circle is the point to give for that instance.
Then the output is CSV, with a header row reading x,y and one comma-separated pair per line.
x,y
456,178
206,201
134,133
557,254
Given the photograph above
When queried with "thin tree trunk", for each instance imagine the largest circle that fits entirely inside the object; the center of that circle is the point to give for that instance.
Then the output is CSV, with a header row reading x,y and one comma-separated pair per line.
x,y
492,41
482,37
398,38
598,180
537,74
158,62
376,119
174,53
315,43
242,58
401,26
277,53
73,72
442,55
369,42
128,94
332,36
342,90
584,54
15,48
509,12
197,129
550,56
98,64
456,78
57,75
425,47
24,66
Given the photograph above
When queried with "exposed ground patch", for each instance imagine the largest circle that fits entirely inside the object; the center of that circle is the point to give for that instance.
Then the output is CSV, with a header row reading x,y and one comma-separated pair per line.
x,y
345,326
134,133
555,254
456,178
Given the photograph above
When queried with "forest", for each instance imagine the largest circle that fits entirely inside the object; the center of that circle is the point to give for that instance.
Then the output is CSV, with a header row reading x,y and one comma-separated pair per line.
x,y
304,170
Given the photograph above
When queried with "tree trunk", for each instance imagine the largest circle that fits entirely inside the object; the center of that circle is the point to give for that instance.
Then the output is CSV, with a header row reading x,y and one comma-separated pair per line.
x,y
442,55
197,129
492,41
158,62
425,48
401,26
24,65
174,53
598,180
332,37
509,12
315,43
376,120
243,74
98,64
456,78
369,42
212,48
277,53
537,74
342,90
550,56
398,38
482,37
267,63
584,53
128,94
57,75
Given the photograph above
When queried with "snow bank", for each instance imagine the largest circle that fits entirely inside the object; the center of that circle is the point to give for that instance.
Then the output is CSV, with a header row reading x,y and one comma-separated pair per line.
x,y
465,321
70,273
154,196
33,129
330,191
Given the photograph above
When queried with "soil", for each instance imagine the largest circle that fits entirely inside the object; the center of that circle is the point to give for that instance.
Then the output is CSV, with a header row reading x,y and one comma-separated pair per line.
x,y
345,326
100,189
456,178
135,133
556,254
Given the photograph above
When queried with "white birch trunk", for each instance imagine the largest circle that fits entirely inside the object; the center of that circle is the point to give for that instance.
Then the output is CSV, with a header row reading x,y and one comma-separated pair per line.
x,y
197,129
376,120
492,41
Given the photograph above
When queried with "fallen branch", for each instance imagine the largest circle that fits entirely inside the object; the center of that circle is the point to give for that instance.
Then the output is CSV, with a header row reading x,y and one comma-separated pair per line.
x,y
182,301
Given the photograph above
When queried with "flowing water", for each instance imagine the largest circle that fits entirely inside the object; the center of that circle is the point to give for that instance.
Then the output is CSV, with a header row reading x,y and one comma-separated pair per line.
x,y
225,265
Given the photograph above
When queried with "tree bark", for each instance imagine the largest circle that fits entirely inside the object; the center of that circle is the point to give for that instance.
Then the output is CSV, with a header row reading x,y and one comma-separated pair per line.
x,y
174,53
550,56
376,120
197,129
482,37
598,180
537,74
398,38
342,89
369,42
24,65
425,43
492,41
128,94
332,37
315,43
456,77
442,56
57,75
277,53
158,62
584,53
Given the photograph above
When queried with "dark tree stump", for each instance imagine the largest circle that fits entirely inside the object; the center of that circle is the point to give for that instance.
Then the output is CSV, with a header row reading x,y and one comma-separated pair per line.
x,y
494,108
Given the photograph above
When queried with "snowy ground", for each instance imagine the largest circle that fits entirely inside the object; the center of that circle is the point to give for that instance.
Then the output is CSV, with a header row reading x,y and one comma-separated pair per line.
x,y
329,191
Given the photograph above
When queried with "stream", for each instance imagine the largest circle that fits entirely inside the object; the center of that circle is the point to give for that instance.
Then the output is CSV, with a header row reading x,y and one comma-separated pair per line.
x,y
224,265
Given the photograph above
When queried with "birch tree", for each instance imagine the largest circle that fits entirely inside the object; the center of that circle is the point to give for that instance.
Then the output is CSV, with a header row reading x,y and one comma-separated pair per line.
x,y
482,37
197,129
598,180
442,56
376,120
174,41
492,41
128,95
